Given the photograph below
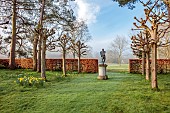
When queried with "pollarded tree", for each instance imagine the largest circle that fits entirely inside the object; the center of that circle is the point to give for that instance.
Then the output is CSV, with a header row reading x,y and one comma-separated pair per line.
x,y
80,36
152,22
141,43
64,19
119,46
37,32
64,42
50,15
56,15
41,35
80,49
138,47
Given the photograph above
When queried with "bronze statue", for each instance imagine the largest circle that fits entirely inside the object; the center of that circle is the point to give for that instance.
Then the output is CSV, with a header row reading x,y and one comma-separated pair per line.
x,y
102,53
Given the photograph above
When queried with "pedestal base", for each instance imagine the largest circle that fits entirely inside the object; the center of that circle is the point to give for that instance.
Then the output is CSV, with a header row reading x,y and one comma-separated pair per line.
x,y
102,77
102,72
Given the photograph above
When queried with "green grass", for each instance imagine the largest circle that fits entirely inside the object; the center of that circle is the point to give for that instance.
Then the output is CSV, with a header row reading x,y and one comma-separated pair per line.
x,y
121,93
118,68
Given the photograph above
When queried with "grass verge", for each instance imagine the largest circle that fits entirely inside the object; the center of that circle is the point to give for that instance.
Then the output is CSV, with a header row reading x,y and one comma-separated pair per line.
x,y
121,93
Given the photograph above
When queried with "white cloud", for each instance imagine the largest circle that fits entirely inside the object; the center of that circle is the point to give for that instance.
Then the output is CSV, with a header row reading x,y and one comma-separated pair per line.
x,y
87,11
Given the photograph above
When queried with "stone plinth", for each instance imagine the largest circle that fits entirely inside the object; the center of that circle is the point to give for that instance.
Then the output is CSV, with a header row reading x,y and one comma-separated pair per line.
x,y
102,72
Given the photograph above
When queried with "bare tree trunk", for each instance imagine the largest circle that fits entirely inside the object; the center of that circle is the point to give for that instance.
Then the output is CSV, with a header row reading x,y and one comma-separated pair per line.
x,y
35,53
64,63
143,62
43,61
79,67
13,41
40,35
119,60
147,66
154,67
39,55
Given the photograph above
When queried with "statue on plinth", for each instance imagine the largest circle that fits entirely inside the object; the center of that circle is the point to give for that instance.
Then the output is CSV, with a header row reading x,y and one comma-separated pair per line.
x,y
102,67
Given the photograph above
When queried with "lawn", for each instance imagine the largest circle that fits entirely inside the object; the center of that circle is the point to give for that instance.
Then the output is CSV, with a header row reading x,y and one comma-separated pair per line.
x,y
118,68
121,93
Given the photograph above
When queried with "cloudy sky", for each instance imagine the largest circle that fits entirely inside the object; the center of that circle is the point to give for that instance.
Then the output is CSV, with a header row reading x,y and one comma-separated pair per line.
x,y
106,20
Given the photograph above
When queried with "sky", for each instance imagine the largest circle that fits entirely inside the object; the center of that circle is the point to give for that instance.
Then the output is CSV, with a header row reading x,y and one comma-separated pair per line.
x,y
106,20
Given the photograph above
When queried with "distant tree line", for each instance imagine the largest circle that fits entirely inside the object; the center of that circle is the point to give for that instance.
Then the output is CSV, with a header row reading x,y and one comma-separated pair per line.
x,y
118,51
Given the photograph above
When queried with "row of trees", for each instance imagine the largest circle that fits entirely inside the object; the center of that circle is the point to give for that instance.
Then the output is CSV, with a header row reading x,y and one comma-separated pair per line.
x,y
32,27
153,29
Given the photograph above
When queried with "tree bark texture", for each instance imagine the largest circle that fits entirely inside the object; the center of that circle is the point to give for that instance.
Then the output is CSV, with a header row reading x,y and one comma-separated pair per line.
x,y
13,41
43,63
39,55
154,83
64,63
147,66
35,53
79,65
143,62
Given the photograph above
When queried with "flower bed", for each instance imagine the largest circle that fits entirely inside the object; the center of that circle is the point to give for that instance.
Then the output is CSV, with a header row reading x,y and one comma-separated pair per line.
x,y
30,81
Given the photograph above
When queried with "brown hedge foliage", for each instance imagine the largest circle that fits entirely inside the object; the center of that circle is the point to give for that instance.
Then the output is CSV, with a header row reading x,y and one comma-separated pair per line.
x,y
4,62
163,65
87,65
